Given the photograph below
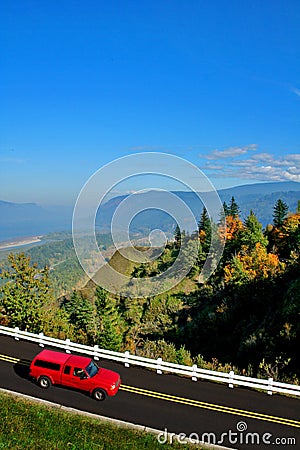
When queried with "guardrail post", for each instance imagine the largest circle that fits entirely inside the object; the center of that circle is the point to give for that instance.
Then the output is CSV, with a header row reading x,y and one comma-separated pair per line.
x,y
96,357
41,335
231,375
67,348
158,370
16,333
126,360
194,375
270,386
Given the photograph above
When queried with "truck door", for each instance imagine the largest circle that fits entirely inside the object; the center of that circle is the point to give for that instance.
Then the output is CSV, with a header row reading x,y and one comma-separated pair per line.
x,y
66,378
76,377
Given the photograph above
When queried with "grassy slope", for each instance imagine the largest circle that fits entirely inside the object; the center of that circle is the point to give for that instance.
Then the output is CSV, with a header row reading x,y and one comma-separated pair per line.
x,y
125,262
27,425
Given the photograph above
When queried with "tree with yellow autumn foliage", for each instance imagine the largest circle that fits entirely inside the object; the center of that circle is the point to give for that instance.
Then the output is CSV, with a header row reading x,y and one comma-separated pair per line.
x,y
254,265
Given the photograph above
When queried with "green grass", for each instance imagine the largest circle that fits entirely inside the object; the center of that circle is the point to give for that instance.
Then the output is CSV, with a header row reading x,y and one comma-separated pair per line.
x,y
29,425
125,262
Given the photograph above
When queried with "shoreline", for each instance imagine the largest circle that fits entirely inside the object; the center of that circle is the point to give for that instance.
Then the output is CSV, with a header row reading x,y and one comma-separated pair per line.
x,y
20,242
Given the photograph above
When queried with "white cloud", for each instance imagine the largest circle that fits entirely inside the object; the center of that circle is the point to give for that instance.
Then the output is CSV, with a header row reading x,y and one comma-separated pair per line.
x,y
214,166
230,152
293,157
262,157
261,166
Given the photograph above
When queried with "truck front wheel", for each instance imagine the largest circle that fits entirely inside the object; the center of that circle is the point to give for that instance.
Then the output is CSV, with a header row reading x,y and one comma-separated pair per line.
x,y
99,395
44,382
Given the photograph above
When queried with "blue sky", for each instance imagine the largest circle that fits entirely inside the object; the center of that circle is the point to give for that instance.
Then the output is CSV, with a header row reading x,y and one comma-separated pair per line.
x,y
83,83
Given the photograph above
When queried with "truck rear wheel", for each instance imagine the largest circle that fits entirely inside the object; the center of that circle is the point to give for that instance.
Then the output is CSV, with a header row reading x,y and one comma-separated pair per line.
x,y
44,382
99,395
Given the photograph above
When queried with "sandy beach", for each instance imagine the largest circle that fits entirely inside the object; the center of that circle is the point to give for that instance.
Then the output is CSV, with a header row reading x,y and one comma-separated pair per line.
x,y
20,242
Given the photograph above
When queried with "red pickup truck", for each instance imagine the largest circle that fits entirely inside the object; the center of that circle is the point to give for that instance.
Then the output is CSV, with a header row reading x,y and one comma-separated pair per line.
x,y
79,372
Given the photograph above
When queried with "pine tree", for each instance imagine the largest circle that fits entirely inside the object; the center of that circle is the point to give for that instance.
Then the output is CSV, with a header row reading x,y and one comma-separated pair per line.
x,y
252,232
109,338
204,228
133,313
109,334
226,210
234,209
81,314
279,213
204,222
177,237
101,297
24,293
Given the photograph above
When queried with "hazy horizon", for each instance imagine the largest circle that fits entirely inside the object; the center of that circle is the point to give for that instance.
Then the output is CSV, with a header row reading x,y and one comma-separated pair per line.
x,y
117,194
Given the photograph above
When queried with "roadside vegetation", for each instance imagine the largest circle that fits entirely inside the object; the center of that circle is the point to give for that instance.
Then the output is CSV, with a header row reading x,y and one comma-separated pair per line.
x,y
27,425
245,317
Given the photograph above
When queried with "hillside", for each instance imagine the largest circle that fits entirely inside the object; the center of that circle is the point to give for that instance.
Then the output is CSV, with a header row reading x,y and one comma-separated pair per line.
x,y
259,197
57,252
244,317
123,262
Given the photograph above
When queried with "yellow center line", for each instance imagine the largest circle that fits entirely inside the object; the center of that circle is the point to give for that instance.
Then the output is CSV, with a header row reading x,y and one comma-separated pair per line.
x,y
9,359
13,360
186,401
211,406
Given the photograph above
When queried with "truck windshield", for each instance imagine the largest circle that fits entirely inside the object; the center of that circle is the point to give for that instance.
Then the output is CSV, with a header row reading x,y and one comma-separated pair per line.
x,y
92,369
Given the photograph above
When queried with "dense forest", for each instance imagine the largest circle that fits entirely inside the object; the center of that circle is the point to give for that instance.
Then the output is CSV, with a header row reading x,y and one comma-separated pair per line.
x,y
57,252
245,317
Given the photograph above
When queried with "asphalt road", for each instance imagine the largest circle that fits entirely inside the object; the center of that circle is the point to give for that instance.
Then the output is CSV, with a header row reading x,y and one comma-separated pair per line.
x,y
177,404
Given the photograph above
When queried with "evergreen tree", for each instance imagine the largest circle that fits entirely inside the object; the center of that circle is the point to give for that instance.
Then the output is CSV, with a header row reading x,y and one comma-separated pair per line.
x,y
101,298
234,209
109,334
133,313
177,237
252,232
189,258
226,210
24,293
204,222
204,228
81,314
279,213
109,338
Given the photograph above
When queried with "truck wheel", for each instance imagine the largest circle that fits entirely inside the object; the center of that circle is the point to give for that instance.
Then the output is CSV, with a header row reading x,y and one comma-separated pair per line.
x,y
99,394
44,382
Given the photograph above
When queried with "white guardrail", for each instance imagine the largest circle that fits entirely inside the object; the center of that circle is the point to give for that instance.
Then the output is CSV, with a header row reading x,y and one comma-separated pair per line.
x,y
158,364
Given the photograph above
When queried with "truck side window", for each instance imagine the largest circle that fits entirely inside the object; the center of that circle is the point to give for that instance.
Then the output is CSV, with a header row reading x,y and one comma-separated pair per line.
x,y
78,372
46,364
67,370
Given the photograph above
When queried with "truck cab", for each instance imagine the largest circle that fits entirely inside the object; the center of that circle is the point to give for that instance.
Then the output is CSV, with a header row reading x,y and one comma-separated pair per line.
x,y
73,371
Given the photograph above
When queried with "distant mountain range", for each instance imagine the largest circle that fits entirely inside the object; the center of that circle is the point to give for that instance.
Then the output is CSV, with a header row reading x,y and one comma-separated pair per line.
x,y
28,219
260,197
